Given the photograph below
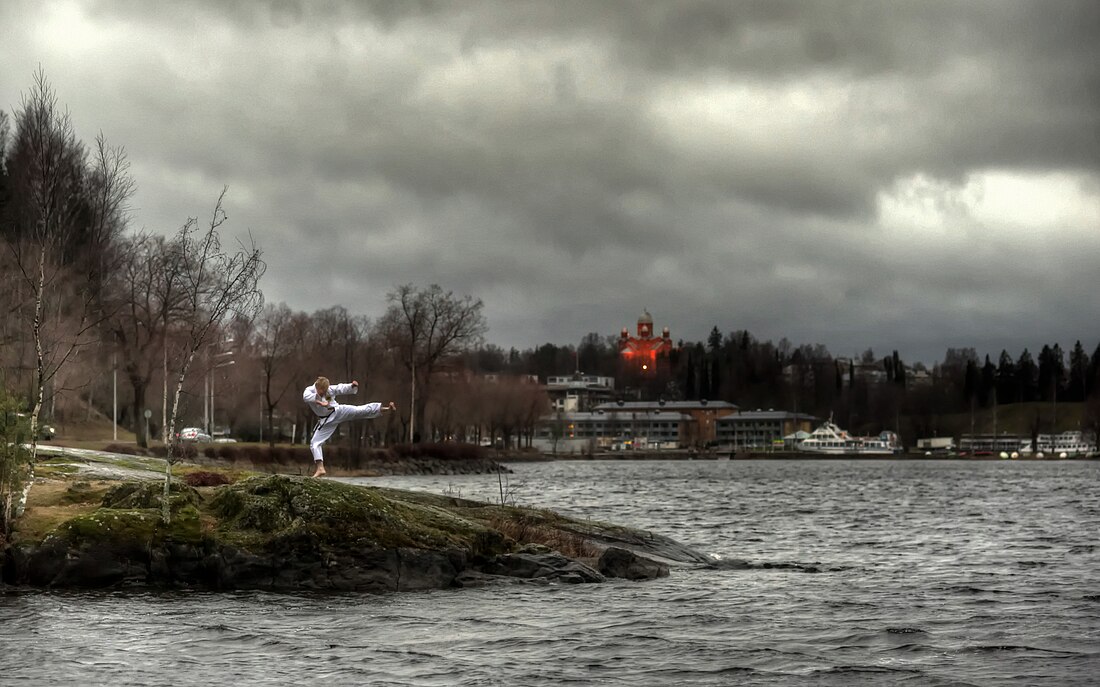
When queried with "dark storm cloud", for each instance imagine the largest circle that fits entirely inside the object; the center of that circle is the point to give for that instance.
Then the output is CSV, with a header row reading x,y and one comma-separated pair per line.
x,y
811,170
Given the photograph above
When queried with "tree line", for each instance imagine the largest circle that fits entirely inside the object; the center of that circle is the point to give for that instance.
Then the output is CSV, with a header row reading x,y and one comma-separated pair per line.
x,y
173,317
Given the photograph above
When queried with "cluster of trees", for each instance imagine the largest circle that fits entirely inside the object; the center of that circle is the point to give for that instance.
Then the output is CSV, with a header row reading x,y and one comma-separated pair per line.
x,y
92,303
79,288
867,393
174,316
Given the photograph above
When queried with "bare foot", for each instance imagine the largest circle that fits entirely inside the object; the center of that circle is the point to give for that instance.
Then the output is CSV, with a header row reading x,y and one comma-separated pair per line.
x,y
320,472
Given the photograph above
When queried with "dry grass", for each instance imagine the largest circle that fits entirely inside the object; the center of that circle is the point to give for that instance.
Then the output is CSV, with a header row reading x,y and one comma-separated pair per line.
x,y
52,502
528,531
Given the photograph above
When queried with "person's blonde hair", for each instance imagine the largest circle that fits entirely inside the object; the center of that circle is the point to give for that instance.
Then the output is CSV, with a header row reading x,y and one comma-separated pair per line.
x,y
321,385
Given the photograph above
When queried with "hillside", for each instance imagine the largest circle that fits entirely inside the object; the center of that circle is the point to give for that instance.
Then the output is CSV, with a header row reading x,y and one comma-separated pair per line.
x,y
1017,418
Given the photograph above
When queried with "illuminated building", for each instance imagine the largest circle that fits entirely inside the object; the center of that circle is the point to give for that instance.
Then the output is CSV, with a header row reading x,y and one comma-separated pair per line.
x,y
644,354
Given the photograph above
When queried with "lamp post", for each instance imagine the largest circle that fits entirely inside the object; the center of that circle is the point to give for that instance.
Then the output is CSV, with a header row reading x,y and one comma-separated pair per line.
x,y
210,376
114,396
262,381
227,363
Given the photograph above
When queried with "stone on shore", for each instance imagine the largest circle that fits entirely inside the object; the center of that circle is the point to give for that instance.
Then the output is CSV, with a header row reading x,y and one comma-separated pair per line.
x,y
624,563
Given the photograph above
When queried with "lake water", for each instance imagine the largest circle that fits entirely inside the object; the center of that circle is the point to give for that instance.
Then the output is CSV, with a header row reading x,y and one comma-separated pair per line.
x,y
864,572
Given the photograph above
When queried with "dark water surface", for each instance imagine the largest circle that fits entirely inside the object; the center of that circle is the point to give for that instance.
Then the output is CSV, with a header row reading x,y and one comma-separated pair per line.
x,y
929,573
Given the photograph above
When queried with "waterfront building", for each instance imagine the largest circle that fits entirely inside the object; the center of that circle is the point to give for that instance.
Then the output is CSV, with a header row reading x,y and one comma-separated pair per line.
x,y
610,430
761,430
702,425
632,425
579,392
970,444
936,445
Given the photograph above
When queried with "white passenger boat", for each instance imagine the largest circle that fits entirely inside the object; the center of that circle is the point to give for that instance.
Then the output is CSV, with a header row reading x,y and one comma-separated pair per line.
x,y
1062,445
828,439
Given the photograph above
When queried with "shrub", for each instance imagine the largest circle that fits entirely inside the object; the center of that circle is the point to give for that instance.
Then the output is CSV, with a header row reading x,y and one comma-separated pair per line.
x,y
257,455
181,452
228,452
205,478
125,449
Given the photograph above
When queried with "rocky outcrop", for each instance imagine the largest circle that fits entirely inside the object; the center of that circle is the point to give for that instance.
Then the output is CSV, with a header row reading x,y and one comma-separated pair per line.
x,y
627,564
547,566
288,533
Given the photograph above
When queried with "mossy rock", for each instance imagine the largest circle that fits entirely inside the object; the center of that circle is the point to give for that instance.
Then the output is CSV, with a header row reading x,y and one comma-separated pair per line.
x,y
324,512
133,527
129,495
82,492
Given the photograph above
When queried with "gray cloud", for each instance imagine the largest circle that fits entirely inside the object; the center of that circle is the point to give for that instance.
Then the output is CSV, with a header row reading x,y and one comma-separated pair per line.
x,y
808,170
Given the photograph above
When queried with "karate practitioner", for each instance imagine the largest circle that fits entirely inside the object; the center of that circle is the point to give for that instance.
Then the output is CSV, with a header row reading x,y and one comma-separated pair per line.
x,y
321,399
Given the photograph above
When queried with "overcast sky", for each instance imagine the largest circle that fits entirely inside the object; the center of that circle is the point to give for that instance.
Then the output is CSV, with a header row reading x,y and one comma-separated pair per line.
x,y
895,175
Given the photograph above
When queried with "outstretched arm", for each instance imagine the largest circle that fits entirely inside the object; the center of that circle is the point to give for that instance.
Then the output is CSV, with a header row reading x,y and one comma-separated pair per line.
x,y
345,389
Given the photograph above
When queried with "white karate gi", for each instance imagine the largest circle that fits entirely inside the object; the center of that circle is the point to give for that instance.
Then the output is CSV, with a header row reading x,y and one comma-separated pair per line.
x,y
334,413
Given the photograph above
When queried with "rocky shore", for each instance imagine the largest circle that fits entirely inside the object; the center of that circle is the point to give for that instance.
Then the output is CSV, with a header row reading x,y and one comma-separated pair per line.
x,y
288,533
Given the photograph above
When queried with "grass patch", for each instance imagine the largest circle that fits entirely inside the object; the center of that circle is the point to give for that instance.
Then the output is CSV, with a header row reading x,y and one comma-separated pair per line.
x,y
52,502
532,527
55,469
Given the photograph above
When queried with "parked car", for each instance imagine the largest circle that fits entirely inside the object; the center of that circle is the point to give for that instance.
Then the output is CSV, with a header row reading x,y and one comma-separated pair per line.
x,y
193,434
45,431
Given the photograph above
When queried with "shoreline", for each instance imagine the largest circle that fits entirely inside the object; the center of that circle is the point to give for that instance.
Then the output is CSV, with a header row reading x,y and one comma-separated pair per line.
x,y
778,455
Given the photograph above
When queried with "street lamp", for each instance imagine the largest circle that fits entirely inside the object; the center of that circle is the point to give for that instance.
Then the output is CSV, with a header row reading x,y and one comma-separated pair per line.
x,y
227,363
209,390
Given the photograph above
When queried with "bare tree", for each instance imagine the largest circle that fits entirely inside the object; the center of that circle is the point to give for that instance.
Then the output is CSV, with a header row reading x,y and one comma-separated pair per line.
x,y
217,285
280,334
424,328
143,297
535,405
46,231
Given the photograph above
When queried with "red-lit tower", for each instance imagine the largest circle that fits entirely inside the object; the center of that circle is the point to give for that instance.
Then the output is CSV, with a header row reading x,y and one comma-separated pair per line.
x,y
644,354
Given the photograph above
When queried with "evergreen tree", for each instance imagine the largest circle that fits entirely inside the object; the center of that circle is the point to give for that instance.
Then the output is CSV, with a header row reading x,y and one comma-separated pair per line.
x,y
1007,389
1092,377
1078,371
988,385
1026,378
899,370
690,387
714,341
971,379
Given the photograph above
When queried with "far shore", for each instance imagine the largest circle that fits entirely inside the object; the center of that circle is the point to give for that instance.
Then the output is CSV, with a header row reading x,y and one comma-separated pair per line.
x,y
771,455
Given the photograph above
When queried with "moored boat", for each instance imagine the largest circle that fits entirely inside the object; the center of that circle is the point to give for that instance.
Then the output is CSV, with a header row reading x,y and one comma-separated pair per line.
x,y
1062,445
829,439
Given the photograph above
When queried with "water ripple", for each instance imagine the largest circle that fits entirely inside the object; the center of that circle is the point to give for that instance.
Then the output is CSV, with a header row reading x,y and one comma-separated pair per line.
x,y
922,572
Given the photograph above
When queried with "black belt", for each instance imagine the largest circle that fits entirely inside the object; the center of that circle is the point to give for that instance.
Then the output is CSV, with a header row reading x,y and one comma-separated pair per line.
x,y
322,421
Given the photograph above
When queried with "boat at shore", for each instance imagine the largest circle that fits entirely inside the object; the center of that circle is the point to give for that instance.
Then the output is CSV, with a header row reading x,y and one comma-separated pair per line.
x,y
1063,445
829,439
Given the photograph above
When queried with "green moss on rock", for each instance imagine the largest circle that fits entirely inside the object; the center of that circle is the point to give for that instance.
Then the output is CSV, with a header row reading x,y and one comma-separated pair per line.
x,y
149,495
82,492
121,527
329,512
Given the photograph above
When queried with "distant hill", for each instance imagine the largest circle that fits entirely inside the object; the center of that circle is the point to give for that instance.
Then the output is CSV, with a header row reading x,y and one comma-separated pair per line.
x,y
78,421
1016,418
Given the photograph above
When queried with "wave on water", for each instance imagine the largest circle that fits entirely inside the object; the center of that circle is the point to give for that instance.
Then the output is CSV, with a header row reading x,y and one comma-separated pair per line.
x,y
942,591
